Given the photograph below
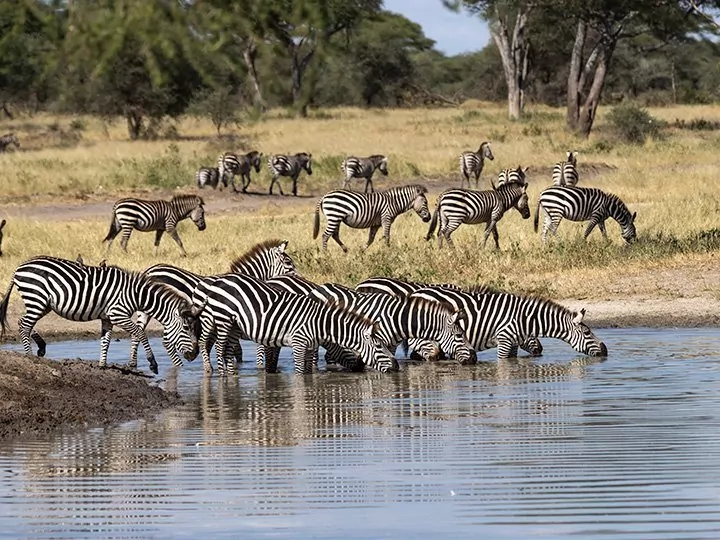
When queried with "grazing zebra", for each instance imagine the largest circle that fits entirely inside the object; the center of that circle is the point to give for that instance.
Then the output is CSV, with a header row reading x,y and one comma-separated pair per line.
x,y
355,167
508,176
240,305
504,320
583,204
263,261
290,166
79,292
207,176
232,164
2,226
368,210
565,172
472,163
457,206
7,140
158,216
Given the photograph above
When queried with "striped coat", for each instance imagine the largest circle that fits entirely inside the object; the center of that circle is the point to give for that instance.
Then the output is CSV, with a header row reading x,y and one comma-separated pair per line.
x,y
290,166
355,167
472,163
565,172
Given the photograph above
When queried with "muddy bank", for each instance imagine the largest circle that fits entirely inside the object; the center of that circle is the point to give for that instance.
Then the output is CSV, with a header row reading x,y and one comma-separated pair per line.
x,y
40,396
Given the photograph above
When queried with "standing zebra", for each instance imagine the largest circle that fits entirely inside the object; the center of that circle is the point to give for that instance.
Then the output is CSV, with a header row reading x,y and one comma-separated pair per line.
x,y
565,172
233,164
7,140
509,176
158,216
85,293
355,167
239,305
457,206
290,166
368,210
472,163
207,176
2,226
583,204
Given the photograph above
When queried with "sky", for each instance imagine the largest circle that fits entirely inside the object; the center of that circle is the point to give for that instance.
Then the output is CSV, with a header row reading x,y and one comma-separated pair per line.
x,y
454,33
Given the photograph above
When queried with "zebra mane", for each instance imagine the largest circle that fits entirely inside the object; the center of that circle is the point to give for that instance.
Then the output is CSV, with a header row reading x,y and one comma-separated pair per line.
x,y
429,304
419,187
617,201
536,301
166,291
339,303
482,289
254,252
188,198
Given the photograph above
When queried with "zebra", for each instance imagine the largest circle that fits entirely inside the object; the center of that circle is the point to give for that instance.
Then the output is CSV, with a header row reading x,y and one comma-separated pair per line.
x,y
240,305
355,167
368,210
290,166
158,216
505,320
207,176
242,165
79,292
472,163
565,172
263,261
7,140
397,287
457,206
508,176
583,204
2,226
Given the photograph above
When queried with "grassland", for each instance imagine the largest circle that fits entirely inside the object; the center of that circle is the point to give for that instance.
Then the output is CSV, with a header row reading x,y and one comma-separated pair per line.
x,y
671,183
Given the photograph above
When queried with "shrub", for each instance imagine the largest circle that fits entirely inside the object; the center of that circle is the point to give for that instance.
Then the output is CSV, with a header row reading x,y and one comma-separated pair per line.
x,y
633,124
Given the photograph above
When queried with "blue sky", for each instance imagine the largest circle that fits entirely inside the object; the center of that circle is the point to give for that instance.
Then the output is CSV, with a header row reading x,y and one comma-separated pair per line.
x,y
454,33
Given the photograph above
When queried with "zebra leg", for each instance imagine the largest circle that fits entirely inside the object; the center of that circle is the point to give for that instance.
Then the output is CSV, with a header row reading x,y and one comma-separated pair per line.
x,y
158,236
387,223
295,179
105,336
142,322
491,228
232,183
127,324
507,345
272,356
450,228
589,228
124,238
601,226
231,348
205,342
302,355
220,344
174,235
368,183
371,236
25,329
245,183
261,354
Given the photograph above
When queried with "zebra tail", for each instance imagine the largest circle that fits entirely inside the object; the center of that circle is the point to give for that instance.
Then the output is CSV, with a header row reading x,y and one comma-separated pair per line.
x,y
433,222
4,307
536,219
316,223
113,229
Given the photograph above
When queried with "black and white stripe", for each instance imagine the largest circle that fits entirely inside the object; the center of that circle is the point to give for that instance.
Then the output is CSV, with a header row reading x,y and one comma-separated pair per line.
x,y
355,167
457,206
509,176
231,165
79,292
583,204
565,172
159,216
472,163
9,139
207,176
290,166
368,210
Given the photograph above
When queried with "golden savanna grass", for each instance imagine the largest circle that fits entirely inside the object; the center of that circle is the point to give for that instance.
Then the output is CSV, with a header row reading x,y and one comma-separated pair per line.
x,y
671,183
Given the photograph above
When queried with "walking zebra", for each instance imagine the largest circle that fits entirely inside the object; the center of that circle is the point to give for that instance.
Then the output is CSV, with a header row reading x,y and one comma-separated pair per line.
x,y
233,164
240,305
504,320
583,204
472,163
509,176
158,216
263,261
7,140
368,210
355,167
85,293
2,226
457,206
207,176
565,172
290,166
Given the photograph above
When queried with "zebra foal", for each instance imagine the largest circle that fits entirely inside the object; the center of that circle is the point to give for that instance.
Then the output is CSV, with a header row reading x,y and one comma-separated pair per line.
x,y
234,164
79,292
472,163
159,216
290,166
583,204
355,167
565,172
368,210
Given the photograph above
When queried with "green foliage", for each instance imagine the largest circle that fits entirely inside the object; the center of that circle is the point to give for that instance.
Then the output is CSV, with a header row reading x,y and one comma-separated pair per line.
x,y
222,106
633,124
168,170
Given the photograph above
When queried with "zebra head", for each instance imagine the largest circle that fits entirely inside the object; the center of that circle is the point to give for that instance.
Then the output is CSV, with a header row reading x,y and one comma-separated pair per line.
x,y
533,346
452,338
305,161
381,163
265,260
485,151
374,351
198,215
581,338
255,159
183,331
420,203
281,263
424,349
522,204
2,226
628,231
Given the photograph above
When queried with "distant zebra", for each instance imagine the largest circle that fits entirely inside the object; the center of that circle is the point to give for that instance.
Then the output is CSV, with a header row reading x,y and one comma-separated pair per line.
x,y
583,204
508,176
158,216
2,226
233,164
207,176
355,167
290,166
457,206
368,210
472,163
85,293
7,140
565,172
240,305
504,320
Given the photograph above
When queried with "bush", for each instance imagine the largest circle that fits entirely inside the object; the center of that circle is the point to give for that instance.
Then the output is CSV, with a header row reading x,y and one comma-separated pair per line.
x,y
633,124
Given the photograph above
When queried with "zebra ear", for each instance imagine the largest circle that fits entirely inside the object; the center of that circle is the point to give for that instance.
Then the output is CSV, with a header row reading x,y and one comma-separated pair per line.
x,y
633,219
283,246
194,311
459,315
375,329
2,224
579,316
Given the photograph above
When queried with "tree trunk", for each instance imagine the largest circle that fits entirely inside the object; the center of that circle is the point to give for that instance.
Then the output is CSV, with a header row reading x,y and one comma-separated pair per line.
x,y
6,110
673,83
572,116
250,55
134,123
300,64
587,115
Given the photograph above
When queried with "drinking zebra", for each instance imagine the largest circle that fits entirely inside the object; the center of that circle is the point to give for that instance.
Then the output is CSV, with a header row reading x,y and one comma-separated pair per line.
x,y
355,167
290,166
457,206
565,172
583,204
240,305
79,292
158,216
509,176
233,164
504,320
2,226
368,210
472,163
207,176
7,140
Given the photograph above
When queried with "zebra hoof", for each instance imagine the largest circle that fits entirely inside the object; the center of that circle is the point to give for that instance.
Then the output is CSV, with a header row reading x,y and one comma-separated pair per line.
x,y
153,366
41,352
